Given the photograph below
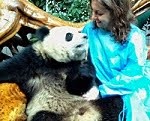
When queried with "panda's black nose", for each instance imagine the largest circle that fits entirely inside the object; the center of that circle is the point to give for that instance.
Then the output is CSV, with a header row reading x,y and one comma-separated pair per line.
x,y
85,37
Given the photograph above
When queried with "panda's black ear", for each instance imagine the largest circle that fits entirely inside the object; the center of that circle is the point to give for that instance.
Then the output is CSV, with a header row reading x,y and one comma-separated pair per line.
x,y
42,32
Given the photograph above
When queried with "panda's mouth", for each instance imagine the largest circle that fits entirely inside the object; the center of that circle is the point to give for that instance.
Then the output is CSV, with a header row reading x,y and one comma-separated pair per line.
x,y
80,45
80,54
80,49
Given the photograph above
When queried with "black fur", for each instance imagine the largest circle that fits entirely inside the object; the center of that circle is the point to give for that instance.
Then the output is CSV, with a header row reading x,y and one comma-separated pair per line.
x,y
19,66
110,108
80,79
42,32
46,116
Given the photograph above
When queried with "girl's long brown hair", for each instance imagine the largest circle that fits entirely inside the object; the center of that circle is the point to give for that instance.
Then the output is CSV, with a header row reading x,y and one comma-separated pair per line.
x,y
121,17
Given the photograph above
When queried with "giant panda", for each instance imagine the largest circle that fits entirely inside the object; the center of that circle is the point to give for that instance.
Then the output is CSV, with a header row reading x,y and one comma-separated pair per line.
x,y
43,69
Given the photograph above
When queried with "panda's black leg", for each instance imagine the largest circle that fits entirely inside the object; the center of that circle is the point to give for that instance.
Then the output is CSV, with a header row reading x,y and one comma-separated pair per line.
x,y
46,116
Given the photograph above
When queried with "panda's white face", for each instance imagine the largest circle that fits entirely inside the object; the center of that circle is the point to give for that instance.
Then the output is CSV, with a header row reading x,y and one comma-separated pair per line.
x,y
65,44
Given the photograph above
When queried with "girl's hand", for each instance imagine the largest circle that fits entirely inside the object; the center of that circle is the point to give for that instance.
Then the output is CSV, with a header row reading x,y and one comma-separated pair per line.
x,y
92,94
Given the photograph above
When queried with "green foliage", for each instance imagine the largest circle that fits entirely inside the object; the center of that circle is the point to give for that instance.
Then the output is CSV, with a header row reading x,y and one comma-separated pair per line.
x,y
70,10
39,3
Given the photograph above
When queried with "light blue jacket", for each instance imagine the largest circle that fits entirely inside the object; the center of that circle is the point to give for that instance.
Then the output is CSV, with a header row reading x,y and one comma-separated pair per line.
x,y
120,69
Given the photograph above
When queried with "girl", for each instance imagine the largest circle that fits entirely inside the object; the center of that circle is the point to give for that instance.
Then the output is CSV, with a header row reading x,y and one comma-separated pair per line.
x,y
118,52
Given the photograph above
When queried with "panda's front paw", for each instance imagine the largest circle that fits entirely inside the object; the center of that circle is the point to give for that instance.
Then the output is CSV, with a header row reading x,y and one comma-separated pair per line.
x,y
79,84
81,79
92,94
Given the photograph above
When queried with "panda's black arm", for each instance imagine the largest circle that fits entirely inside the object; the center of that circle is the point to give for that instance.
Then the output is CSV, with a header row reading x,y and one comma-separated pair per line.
x,y
19,67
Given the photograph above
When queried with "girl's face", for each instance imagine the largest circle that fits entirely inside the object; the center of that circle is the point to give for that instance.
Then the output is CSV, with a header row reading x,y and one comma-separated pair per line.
x,y
100,14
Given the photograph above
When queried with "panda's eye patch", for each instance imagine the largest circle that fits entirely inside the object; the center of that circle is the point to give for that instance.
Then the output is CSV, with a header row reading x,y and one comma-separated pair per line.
x,y
69,37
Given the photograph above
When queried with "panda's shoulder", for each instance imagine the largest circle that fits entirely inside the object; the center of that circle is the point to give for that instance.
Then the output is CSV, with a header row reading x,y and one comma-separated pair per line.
x,y
25,55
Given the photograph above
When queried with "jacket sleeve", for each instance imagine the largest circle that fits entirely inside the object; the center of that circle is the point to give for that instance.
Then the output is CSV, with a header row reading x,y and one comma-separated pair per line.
x,y
131,77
